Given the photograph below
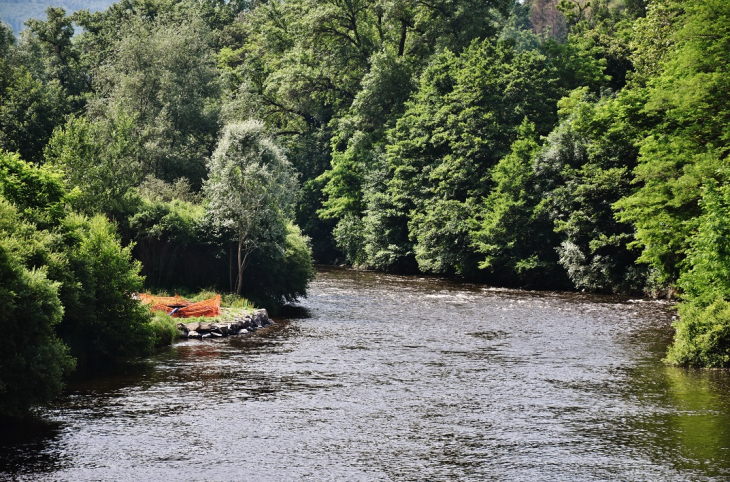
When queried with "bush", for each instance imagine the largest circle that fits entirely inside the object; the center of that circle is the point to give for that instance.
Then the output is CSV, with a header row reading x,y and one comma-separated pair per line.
x,y
703,336
275,277
33,359
102,321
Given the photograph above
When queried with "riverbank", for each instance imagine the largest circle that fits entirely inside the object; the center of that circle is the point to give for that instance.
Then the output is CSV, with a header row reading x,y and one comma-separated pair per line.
x,y
235,314
240,325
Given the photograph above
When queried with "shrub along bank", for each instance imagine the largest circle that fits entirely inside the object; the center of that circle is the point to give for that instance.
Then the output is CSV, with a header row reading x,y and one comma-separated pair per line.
x,y
65,288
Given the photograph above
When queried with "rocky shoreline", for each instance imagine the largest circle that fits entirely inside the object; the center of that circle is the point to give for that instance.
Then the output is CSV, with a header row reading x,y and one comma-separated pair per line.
x,y
239,326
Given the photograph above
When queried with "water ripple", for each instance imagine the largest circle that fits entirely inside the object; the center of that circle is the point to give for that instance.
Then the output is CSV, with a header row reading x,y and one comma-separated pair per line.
x,y
380,377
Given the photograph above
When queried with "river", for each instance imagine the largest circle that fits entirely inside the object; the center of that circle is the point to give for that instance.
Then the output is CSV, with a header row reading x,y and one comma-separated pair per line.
x,y
380,377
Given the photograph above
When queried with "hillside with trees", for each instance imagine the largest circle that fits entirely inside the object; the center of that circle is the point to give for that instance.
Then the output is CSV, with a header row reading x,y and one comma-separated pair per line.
x,y
16,12
211,143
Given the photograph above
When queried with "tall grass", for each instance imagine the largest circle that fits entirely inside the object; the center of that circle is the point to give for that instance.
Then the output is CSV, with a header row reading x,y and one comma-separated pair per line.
x,y
164,328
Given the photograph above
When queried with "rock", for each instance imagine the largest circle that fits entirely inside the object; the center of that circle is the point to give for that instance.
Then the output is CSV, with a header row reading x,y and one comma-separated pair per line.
x,y
219,329
239,326
190,326
261,317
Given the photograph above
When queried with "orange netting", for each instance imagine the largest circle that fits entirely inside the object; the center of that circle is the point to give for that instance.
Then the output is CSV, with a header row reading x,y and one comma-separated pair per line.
x,y
173,301
209,307
178,307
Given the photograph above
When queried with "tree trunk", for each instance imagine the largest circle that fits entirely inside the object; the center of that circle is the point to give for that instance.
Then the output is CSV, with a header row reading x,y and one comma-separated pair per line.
x,y
239,286
403,34
231,288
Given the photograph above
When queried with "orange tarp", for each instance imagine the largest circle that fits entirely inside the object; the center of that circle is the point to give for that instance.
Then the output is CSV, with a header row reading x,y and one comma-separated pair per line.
x,y
178,307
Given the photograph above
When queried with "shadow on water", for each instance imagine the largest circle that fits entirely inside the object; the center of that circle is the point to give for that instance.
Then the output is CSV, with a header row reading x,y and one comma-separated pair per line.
x,y
25,444
113,377
291,312
33,446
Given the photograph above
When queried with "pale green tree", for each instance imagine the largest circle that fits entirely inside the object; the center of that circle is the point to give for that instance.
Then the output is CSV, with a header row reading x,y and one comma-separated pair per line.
x,y
251,190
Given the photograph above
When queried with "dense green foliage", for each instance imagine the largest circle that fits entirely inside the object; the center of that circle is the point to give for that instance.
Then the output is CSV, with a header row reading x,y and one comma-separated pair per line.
x,y
100,155
95,274
34,360
703,331
67,285
102,321
458,125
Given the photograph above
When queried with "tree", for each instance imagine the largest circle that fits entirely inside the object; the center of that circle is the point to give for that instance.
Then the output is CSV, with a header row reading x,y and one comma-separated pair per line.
x,y
29,111
515,236
251,190
30,107
38,193
584,167
161,73
547,21
101,158
7,39
687,95
336,75
707,274
460,123
61,58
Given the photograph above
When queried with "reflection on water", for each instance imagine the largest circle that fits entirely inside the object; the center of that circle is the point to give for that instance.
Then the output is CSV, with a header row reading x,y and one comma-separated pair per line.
x,y
379,377
690,419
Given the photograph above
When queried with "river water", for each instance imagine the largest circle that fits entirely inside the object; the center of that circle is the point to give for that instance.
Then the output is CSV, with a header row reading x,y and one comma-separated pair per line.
x,y
380,377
